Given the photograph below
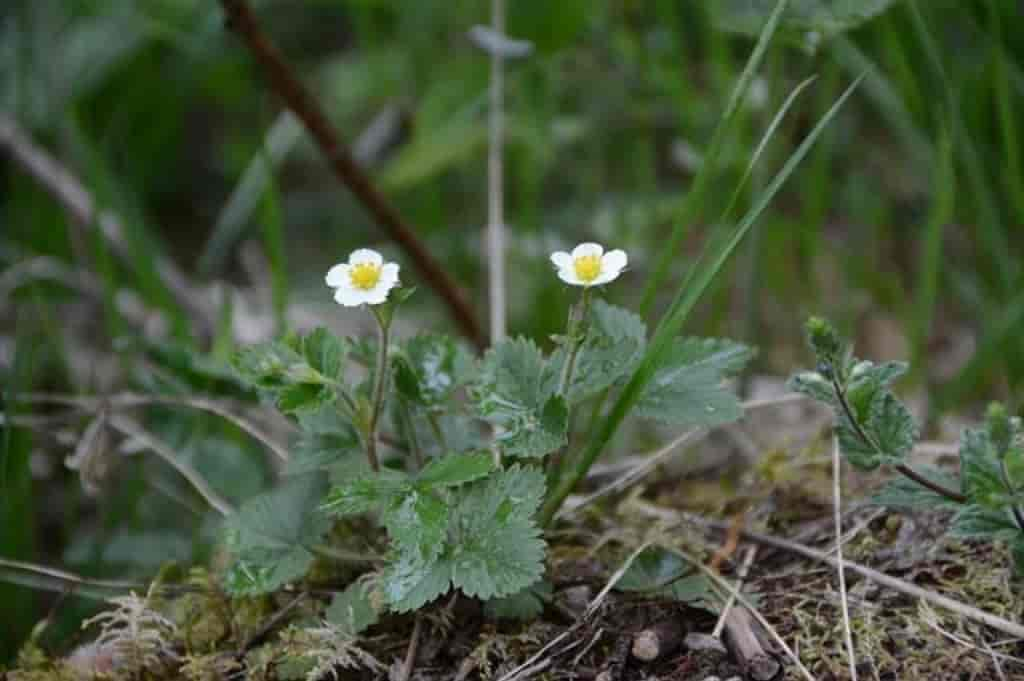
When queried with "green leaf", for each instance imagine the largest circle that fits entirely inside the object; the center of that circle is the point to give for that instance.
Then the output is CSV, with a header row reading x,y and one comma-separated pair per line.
x,y
813,385
298,372
986,523
980,470
889,426
892,426
269,537
613,347
516,392
493,547
524,604
903,493
352,611
372,492
687,388
455,469
662,573
324,353
430,368
417,523
328,440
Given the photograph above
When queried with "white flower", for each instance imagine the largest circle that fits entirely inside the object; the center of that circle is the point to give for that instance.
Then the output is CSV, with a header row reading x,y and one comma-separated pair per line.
x,y
364,280
589,265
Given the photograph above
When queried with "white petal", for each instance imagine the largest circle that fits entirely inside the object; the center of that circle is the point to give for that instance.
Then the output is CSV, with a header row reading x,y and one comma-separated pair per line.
x,y
614,261
388,275
588,248
568,275
377,295
362,255
349,297
561,259
605,277
337,275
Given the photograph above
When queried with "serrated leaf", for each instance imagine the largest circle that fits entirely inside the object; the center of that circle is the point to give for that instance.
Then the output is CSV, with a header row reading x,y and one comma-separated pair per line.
x,y
688,387
903,493
352,611
493,547
613,347
892,426
269,536
373,492
987,523
411,582
813,385
324,353
430,368
455,469
298,372
516,393
524,604
980,473
658,572
417,523
327,440
867,380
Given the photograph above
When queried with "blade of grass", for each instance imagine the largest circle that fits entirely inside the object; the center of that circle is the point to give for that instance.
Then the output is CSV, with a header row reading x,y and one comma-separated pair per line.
x,y
280,139
597,411
694,198
697,281
943,203
1014,177
991,229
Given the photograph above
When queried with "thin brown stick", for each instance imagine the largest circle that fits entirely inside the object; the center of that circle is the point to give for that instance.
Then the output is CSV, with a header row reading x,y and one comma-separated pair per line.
x,y
62,184
302,103
969,611
130,400
837,514
131,429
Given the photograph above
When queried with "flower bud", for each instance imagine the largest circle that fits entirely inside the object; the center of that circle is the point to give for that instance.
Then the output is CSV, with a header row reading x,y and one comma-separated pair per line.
x,y
823,339
1000,427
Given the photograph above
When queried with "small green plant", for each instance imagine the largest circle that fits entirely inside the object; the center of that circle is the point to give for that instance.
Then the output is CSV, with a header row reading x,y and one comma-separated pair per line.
x,y
452,455
876,429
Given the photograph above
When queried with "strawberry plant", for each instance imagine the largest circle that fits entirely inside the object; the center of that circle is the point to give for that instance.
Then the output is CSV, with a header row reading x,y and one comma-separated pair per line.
x,y
875,429
450,455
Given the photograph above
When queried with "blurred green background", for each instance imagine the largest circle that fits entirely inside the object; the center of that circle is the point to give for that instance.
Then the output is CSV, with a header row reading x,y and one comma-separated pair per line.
x,y
904,224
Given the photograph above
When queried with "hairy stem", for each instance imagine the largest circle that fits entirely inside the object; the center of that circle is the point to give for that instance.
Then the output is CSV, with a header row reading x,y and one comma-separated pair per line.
x,y
575,334
904,469
577,319
377,400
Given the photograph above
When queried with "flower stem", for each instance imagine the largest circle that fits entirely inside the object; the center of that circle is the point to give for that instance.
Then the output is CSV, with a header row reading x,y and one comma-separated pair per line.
x,y
380,379
577,318
576,336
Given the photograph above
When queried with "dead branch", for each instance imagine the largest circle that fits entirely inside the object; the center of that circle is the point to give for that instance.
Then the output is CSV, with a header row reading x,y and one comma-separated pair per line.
x,y
302,103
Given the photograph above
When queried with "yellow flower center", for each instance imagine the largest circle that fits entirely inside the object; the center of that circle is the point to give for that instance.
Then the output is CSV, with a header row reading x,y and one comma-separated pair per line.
x,y
364,276
587,267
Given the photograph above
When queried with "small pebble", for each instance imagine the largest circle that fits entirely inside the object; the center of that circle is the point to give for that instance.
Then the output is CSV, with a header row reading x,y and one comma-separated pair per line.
x,y
695,641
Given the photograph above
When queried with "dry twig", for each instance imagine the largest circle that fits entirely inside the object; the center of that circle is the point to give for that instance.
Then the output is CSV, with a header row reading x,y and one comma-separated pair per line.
x,y
302,103
837,508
